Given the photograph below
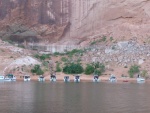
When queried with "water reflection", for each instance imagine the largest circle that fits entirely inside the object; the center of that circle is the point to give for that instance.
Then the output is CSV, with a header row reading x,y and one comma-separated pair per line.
x,y
46,97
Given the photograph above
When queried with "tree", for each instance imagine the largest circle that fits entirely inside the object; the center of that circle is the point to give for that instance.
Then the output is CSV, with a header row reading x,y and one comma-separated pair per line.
x,y
95,68
97,72
89,69
133,70
73,68
37,69
144,73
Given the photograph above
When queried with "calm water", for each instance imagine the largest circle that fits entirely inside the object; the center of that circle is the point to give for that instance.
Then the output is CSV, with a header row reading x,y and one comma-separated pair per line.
x,y
36,97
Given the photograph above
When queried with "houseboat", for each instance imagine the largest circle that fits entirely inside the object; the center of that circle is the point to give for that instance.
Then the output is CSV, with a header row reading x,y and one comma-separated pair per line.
x,y
113,78
66,79
53,78
41,78
140,79
76,78
10,77
96,78
26,78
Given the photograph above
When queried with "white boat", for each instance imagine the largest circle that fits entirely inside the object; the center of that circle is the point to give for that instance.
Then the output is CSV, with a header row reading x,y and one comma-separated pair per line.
x,y
96,78
53,78
41,78
113,78
66,79
10,77
26,78
2,78
140,80
76,78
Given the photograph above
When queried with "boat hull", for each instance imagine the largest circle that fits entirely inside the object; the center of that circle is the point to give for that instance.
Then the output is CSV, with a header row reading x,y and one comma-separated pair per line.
x,y
41,79
27,79
53,79
76,80
113,80
96,80
140,80
66,80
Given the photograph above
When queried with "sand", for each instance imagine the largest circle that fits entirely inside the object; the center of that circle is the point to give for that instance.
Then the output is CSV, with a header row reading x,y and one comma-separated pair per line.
x,y
83,78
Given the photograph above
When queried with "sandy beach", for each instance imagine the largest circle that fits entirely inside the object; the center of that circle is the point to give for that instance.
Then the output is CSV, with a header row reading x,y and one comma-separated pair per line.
x,y
83,78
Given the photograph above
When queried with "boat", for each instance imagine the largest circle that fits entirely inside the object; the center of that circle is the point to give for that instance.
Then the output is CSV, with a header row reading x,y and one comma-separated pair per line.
x,y
53,78
140,79
113,78
26,78
2,78
96,78
41,78
10,77
66,79
125,79
76,78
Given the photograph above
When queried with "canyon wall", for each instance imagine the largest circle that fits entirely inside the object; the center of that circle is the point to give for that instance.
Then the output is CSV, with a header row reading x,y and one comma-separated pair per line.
x,y
74,21
120,19
33,20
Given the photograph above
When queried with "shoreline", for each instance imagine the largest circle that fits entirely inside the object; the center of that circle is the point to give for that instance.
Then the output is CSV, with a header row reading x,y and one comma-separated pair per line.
x,y
102,79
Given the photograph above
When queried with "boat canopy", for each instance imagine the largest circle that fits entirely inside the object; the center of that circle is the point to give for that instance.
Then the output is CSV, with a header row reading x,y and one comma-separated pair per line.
x,y
77,77
66,77
27,76
53,76
10,75
96,77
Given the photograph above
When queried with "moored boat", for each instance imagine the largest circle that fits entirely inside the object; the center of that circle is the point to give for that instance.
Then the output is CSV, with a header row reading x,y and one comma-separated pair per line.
x,y
96,78
53,78
2,78
26,78
41,78
113,78
140,80
66,79
76,78
10,77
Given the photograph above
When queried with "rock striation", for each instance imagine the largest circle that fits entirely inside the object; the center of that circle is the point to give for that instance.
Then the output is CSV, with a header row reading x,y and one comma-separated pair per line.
x,y
78,20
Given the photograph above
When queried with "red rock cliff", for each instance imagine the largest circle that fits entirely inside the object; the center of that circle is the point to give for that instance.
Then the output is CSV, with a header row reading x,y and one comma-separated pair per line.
x,y
74,21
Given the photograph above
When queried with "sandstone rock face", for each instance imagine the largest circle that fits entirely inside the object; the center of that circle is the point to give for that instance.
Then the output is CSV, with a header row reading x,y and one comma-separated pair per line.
x,y
121,19
33,20
74,21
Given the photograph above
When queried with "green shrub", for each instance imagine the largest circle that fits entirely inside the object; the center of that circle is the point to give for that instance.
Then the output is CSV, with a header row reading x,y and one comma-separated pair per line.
x,y
99,65
42,57
103,38
133,70
37,69
75,51
111,38
45,63
93,43
36,56
73,68
58,68
144,73
97,72
57,54
95,68
89,69
64,59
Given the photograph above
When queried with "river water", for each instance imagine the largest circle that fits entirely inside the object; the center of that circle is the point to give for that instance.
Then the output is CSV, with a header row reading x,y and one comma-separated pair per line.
x,y
85,97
